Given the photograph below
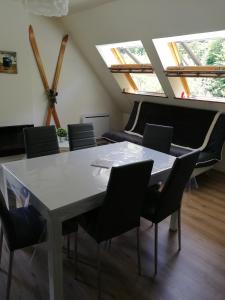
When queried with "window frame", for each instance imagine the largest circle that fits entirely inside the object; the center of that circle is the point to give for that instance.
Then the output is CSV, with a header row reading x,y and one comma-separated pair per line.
x,y
127,69
183,72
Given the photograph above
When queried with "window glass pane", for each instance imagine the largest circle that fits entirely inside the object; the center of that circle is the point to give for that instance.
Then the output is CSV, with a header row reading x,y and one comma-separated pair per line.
x,y
134,55
207,87
209,52
147,82
205,52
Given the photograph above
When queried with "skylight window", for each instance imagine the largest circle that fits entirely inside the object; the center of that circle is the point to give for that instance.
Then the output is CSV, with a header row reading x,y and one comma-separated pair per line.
x,y
131,67
195,65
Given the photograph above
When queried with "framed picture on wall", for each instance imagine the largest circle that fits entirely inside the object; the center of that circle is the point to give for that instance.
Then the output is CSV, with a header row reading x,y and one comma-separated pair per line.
x,y
8,62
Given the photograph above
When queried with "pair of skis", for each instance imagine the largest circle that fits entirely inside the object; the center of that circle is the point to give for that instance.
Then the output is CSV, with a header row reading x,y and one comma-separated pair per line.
x,y
51,92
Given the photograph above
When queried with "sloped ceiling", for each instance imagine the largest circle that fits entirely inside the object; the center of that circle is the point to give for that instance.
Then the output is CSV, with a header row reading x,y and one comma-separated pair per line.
x,y
79,5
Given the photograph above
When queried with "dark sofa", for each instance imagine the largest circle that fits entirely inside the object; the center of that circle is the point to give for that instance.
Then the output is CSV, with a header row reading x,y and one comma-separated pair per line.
x,y
193,129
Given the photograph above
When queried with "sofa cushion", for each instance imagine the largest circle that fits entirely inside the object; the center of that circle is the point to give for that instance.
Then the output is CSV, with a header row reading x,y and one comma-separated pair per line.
x,y
121,136
205,158
178,150
190,125
154,114
217,137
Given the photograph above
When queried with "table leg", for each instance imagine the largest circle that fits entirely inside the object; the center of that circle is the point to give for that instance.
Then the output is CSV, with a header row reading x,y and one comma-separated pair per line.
x,y
4,187
55,266
9,192
174,221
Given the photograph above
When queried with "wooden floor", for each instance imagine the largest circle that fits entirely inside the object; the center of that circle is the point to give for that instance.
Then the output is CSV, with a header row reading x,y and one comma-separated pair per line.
x,y
196,273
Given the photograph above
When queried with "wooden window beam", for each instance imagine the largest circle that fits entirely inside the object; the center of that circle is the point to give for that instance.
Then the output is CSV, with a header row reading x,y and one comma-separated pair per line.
x,y
176,56
196,71
132,68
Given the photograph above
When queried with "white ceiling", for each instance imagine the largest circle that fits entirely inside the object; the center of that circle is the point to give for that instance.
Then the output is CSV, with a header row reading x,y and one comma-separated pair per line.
x,y
79,5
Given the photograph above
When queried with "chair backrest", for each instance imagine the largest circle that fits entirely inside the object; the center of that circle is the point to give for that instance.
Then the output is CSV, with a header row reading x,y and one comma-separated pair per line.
x,y
158,137
81,136
126,191
40,141
171,195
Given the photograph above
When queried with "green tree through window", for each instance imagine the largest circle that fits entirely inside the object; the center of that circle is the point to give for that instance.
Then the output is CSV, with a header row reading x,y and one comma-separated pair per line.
x,y
208,53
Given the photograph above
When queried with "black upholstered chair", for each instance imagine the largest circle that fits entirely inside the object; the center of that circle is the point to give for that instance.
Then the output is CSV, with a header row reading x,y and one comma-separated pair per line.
x,y
21,227
121,208
158,205
81,136
157,137
40,141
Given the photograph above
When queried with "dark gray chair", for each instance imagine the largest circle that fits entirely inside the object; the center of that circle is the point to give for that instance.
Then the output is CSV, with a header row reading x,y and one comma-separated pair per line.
x,y
158,205
40,141
157,137
121,208
81,136
21,227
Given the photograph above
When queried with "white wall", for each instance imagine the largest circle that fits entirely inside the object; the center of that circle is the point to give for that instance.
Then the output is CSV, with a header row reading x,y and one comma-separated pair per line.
x,y
22,96
129,20
15,89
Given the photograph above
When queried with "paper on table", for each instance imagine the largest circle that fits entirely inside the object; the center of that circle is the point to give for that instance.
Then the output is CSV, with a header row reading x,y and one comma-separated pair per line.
x,y
102,163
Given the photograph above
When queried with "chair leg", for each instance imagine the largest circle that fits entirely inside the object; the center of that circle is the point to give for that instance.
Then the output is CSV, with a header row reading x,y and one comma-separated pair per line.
x,y
194,183
156,249
9,275
138,251
99,272
106,245
1,243
75,254
179,229
68,246
36,248
110,244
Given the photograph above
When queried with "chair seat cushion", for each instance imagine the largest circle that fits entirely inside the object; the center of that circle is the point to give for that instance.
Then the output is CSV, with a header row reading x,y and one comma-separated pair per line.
x,y
29,228
121,136
150,204
69,226
88,222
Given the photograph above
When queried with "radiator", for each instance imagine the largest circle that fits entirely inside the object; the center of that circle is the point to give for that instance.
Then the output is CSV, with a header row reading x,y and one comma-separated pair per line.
x,y
99,121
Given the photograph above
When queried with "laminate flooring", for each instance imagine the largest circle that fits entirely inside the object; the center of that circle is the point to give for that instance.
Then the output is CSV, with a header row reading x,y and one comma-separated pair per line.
x,y
195,273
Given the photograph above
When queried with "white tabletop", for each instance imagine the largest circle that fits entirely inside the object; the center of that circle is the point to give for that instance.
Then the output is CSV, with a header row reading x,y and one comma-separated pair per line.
x,y
62,179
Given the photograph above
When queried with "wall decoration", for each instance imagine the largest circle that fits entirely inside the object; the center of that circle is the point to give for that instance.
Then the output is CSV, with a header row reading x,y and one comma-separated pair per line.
x,y
8,62
50,91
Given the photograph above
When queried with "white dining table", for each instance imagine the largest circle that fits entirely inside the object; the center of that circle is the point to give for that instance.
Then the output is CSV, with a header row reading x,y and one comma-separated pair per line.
x,y
65,185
